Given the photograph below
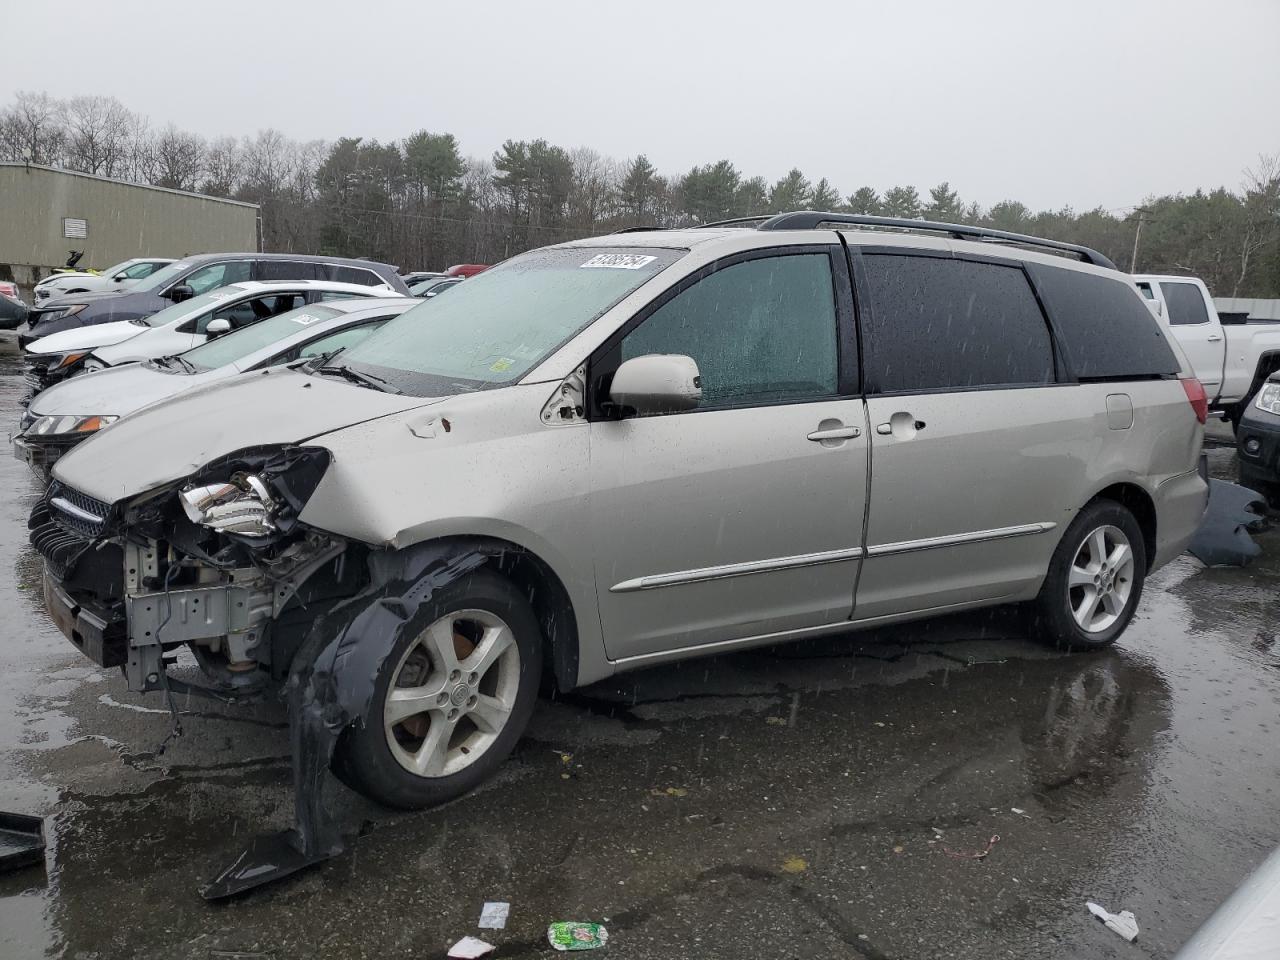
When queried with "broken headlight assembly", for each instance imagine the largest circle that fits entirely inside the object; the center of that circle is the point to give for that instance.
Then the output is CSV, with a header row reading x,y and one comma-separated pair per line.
x,y
69,424
262,495
1269,397
243,506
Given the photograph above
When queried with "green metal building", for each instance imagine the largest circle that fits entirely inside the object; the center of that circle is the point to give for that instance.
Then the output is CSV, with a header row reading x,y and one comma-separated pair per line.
x,y
46,212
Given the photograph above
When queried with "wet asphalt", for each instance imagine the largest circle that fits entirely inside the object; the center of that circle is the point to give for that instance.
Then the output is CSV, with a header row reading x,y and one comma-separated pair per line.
x,y
819,800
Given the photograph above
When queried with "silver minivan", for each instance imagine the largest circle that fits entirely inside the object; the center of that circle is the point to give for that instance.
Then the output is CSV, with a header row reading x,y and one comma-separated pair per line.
x,y
620,451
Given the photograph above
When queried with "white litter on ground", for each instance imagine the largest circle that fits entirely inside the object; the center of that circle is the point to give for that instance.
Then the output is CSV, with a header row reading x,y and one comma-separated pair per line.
x,y
1123,923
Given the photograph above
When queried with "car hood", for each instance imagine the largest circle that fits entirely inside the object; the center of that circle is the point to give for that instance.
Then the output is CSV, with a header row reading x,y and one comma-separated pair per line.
x,y
118,391
87,338
69,298
169,441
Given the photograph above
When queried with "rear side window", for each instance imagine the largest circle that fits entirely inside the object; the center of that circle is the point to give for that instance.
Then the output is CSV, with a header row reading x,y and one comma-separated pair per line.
x,y
286,270
1184,302
939,324
1103,327
365,278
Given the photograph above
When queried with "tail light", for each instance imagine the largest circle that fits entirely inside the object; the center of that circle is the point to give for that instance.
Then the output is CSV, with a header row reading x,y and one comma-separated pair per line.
x,y
1196,396
9,289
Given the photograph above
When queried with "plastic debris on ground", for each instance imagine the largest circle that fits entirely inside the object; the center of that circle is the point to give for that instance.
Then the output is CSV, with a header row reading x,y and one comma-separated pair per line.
x,y
21,841
1222,538
1123,923
795,865
493,915
469,948
973,854
574,935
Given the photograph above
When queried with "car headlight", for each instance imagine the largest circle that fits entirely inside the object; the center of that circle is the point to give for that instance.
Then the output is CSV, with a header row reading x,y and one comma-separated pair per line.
x,y
68,424
243,506
1269,397
69,360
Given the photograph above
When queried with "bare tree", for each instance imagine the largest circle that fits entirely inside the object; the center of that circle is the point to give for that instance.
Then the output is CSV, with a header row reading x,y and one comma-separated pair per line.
x,y
179,159
33,129
223,167
98,130
1261,213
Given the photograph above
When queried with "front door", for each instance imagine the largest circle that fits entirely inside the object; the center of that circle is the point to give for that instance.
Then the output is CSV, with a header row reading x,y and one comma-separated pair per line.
x,y
977,453
743,517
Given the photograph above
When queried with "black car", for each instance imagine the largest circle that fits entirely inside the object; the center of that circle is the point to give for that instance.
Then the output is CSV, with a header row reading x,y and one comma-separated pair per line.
x,y
1258,439
12,312
193,276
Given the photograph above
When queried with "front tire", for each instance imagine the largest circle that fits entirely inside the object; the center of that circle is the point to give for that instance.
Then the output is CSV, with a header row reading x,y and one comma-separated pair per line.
x,y
1094,580
451,699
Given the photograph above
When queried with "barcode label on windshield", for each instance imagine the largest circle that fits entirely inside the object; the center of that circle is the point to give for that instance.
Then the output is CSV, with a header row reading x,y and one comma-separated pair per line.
x,y
619,261
305,319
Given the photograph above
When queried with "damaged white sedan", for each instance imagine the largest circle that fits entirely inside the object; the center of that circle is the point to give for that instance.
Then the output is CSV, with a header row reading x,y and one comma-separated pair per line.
x,y
625,450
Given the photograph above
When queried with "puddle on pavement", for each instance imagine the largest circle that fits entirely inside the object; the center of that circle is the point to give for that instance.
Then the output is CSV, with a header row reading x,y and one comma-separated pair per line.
x,y
668,801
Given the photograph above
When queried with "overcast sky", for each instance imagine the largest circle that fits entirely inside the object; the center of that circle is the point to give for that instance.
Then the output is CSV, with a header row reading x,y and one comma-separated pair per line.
x,y
1051,103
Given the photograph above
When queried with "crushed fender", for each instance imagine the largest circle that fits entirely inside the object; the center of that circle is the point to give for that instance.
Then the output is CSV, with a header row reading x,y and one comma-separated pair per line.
x,y
331,685
1223,536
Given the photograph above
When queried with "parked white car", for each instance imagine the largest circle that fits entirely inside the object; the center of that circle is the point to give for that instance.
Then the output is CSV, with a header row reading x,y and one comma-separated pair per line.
x,y
119,277
175,329
72,411
1231,360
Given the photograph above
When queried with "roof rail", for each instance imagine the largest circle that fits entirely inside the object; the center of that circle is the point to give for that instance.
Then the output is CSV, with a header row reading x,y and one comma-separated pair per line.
x,y
638,229
735,221
811,219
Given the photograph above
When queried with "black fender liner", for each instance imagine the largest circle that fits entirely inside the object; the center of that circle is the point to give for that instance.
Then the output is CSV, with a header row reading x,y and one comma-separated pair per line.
x,y
332,683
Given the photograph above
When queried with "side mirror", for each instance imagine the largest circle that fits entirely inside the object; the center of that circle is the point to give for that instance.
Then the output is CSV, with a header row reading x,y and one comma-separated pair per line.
x,y
218,327
657,383
181,292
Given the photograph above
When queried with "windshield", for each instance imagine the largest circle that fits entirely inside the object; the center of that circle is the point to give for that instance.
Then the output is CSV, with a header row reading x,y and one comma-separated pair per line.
x,y
187,307
498,325
233,346
162,277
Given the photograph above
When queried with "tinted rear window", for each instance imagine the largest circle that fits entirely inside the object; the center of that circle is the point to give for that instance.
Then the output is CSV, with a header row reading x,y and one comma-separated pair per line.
x,y
1103,327
1185,303
939,324
354,275
286,270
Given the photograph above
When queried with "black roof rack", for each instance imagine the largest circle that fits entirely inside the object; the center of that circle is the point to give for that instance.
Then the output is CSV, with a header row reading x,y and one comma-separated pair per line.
x,y
639,229
735,222
812,219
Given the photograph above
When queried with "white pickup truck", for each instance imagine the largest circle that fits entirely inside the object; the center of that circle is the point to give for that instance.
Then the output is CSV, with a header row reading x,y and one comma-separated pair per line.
x,y
1231,360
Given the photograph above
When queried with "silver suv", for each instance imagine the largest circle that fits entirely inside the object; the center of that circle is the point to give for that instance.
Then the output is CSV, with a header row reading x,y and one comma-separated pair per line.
x,y
626,450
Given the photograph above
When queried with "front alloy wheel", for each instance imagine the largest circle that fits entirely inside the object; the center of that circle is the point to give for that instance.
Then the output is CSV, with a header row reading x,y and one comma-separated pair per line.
x,y
452,696
452,693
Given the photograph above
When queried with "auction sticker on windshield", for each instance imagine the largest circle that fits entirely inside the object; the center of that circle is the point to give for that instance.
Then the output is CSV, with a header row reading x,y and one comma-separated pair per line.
x,y
305,319
619,261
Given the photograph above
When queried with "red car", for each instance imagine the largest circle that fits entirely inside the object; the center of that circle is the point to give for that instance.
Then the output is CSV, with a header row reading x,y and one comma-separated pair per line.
x,y
466,269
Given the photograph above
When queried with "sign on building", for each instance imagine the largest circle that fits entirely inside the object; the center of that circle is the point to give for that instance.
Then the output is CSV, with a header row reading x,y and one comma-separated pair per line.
x,y
75,228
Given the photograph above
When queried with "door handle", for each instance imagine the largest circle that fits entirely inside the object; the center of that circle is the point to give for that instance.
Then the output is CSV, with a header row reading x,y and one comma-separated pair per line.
x,y
835,433
903,425
1213,339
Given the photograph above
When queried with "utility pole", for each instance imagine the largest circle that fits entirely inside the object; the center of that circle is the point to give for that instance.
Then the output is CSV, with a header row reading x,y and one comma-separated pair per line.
x,y
1141,213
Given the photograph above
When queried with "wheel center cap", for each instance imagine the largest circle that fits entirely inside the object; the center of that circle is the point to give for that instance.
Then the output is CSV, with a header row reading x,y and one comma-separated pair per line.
x,y
459,695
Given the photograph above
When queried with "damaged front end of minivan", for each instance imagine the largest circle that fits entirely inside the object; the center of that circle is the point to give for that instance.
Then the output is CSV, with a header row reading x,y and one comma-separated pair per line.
x,y
218,562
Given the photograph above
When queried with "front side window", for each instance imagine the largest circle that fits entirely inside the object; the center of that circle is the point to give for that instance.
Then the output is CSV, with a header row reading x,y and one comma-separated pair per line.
x,y
499,325
941,324
1184,303
140,270
218,275
761,331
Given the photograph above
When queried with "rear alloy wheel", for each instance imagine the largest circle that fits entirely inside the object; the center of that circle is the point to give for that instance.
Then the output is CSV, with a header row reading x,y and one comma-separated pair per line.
x,y
451,699
1094,580
1101,579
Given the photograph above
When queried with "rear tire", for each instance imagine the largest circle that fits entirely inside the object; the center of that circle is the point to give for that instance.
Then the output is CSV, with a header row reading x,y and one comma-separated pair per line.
x,y
451,699
1094,580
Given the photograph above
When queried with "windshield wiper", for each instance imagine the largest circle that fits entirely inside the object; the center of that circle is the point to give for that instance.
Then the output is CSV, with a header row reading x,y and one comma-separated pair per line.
x,y
170,360
364,379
